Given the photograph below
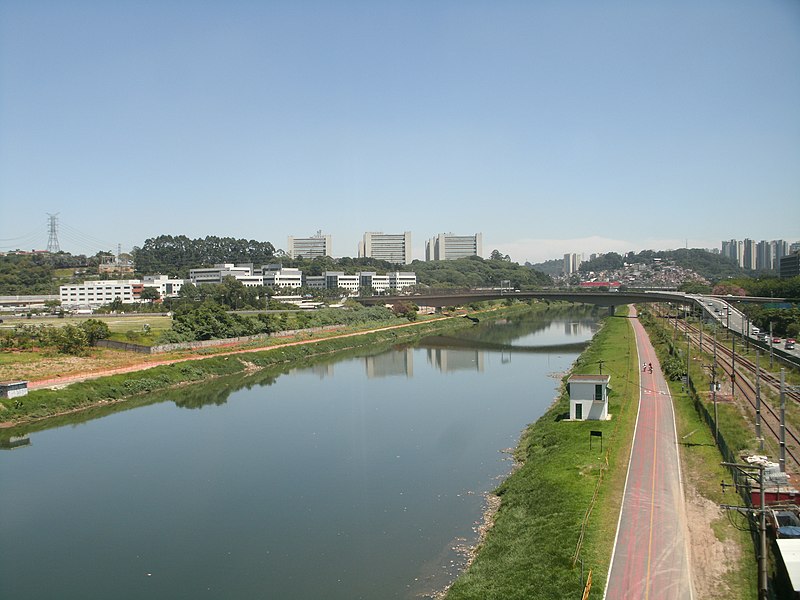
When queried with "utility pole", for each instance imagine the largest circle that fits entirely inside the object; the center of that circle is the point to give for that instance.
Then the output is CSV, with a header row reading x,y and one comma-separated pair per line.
x,y
746,470
675,331
783,421
728,321
746,334
701,333
733,368
714,390
758,401
688,354
770,345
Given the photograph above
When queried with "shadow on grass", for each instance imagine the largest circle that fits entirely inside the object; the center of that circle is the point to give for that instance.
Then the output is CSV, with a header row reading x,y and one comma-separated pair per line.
x,y
693,445
562,416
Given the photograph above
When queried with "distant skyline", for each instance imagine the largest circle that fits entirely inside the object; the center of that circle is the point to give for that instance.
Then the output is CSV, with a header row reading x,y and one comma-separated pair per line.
x,y
549,127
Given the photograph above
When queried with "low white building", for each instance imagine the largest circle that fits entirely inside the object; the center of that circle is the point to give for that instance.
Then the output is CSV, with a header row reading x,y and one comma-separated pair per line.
x,y
278,276
243,273
366,279
94,294
588,397
382,284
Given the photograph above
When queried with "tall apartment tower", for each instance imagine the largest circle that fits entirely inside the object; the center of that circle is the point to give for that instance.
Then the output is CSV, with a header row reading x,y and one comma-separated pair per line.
x,y
572,263
392,247
765,255
749,255
310,247
447,246
780,248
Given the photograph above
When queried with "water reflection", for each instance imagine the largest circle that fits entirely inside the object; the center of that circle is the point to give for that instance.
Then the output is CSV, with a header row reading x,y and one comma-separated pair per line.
x,y
389,364
11,442
449,361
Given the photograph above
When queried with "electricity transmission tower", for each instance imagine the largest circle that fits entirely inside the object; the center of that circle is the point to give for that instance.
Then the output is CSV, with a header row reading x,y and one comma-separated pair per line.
x,y
52,239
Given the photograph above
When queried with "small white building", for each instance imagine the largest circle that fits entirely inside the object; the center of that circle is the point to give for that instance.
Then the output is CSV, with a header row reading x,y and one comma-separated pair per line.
x,y
13,389
588,397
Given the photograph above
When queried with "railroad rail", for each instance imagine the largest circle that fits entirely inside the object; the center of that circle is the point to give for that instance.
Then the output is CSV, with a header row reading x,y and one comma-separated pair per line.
x,y
742,372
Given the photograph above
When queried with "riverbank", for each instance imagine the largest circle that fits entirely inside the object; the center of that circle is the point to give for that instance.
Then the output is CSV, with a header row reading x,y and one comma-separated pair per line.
x,y
75,393
559,508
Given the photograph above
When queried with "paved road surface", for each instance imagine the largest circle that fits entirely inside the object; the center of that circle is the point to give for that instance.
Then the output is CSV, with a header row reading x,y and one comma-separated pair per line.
x,y
651,558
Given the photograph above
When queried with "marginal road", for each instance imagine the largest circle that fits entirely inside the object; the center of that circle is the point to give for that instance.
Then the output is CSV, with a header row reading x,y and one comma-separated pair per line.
x,y
651,552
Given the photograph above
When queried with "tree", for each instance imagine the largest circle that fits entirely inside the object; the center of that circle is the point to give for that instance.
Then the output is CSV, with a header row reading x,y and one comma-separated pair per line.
x,y
728,289
497,255
52,305
150,293
407,310
95,330
71,339
694,287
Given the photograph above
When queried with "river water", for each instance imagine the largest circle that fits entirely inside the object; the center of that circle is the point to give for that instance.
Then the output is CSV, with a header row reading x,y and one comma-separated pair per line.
x,y
358,477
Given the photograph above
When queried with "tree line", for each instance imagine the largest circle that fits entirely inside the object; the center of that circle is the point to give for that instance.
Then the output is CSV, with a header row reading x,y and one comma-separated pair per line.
x,y
175,255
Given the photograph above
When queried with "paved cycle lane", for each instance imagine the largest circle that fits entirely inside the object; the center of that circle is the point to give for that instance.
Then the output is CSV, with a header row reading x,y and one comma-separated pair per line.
x,y
651,555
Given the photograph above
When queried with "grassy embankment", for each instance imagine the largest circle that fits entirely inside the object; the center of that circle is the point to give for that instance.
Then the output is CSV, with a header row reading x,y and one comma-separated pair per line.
x,y
530,551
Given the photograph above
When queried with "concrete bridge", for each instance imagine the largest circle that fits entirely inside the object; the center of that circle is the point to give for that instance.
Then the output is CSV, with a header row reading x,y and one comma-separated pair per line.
x,y
599,298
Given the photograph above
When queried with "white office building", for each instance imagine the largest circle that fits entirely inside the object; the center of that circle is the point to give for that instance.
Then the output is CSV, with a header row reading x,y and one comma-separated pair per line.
x,y
381,284
447,246
278,276
391,247
94,294
243,273
167,288
312,247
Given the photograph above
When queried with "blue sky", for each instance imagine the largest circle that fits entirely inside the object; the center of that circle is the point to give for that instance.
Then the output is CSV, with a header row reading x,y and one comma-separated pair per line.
x,y
548,126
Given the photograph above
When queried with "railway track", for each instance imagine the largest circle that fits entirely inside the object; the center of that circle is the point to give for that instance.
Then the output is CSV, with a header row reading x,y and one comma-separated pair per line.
x,y
742,372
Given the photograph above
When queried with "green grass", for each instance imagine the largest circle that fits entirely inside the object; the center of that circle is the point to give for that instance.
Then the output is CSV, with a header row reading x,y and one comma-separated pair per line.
x,y
529,551
118,324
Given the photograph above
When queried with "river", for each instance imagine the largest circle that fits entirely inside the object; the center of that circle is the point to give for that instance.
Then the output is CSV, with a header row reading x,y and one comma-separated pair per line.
x,y
361,476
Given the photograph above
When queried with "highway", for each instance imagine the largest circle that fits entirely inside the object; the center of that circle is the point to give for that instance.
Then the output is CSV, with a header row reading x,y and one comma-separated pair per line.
x,y
651,556
728,317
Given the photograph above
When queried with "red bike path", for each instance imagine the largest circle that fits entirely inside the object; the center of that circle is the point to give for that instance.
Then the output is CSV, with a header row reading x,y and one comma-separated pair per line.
x,y
651,551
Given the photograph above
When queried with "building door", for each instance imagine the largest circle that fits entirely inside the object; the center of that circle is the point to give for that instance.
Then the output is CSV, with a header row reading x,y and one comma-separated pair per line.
x,y
578,411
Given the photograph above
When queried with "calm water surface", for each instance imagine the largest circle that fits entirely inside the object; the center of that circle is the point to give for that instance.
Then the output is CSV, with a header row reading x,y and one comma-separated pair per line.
x,y
355,478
